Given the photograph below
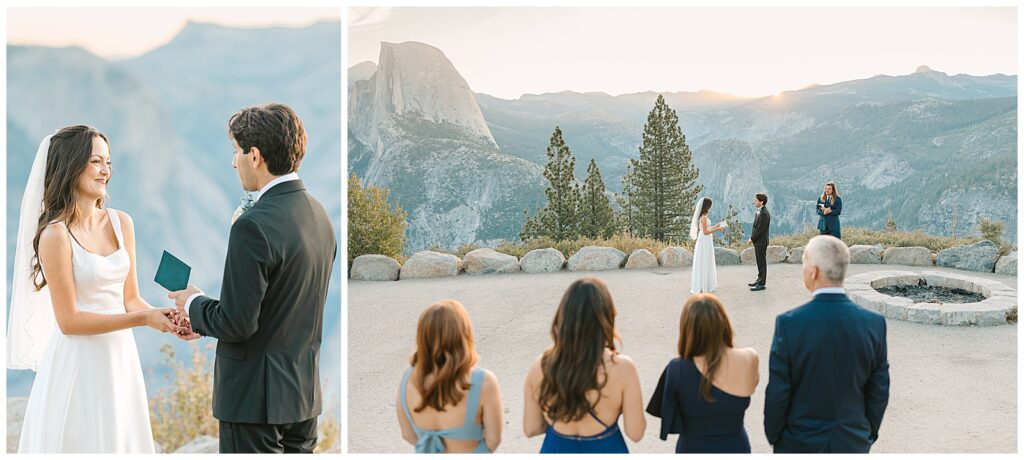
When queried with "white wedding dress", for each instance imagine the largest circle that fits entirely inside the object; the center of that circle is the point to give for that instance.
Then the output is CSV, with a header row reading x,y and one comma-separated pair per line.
x,y
89,395
703,278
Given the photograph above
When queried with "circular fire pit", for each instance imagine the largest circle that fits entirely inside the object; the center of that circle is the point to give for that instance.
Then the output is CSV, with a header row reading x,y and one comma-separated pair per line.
x,y
934,297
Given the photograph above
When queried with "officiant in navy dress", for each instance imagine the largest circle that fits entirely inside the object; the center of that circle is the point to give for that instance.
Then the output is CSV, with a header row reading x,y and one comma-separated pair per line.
x,y
828,208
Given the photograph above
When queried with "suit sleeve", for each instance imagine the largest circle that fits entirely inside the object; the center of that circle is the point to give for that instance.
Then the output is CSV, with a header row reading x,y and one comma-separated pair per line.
x,y
876,395
837,207
235,317
777,394
817,207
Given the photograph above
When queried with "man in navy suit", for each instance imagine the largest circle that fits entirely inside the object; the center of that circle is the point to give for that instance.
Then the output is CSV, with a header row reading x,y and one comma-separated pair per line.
x,y
829,371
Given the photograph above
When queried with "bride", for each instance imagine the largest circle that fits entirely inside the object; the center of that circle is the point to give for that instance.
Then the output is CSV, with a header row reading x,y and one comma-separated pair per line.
x,y
75,299
703,277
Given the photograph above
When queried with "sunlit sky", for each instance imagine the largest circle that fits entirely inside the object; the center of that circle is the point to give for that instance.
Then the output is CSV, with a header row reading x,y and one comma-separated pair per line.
x,y
507,52
127,32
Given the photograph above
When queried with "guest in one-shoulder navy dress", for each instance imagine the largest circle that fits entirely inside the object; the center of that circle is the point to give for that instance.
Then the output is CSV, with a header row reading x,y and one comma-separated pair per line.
x,y
706,418
703,427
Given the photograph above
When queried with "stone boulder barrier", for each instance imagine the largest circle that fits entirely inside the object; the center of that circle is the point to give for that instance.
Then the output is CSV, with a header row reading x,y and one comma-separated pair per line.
x,y
796,256
641,258
430,264
915,255
725,256
747,257
545,260
978,257
374,267
773,255
1007,265
864,254
675,257
776,254
596,258
486,261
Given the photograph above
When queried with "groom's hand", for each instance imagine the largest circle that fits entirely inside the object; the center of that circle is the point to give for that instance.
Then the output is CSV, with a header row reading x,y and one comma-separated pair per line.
x,y
188,334
750,241
185,331
180,297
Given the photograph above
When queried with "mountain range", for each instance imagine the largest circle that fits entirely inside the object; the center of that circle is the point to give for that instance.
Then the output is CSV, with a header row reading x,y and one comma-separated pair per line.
x,y
165,113
915,147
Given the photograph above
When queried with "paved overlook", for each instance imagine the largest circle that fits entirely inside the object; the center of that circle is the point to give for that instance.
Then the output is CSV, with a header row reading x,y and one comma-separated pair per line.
x,y
953,388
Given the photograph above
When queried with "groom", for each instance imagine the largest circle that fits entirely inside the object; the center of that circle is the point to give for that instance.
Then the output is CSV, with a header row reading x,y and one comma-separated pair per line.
x,y
269,320
759,238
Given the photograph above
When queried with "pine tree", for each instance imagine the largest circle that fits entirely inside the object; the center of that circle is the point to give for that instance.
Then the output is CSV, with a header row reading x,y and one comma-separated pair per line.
x,y
627,210
734,232
558,219
662,183
890,224
595,212
374,227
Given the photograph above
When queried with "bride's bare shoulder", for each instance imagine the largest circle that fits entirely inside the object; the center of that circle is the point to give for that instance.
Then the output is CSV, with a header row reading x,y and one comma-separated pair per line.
x,y
127,224
53,234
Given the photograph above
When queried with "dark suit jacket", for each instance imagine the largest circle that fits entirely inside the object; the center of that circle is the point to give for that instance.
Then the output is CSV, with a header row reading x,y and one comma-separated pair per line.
x,y
830,221
759,232
269,319
829,378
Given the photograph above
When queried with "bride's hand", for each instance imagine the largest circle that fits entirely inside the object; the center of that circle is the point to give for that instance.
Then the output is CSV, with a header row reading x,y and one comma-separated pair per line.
x,y
160,319
188,333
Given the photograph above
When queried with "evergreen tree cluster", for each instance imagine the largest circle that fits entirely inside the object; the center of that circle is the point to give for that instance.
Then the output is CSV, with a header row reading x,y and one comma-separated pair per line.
x,y
659,189
572,209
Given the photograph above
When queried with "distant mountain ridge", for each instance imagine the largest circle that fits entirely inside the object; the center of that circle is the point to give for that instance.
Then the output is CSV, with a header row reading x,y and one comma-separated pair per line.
x,y
415,128
884,139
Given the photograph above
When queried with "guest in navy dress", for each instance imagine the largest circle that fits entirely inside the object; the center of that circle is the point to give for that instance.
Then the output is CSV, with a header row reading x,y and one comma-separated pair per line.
x,y
579,387
829,207
447,404
703,394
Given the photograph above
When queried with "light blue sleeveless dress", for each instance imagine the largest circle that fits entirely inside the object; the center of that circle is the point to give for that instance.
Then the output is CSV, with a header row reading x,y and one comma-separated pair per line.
x,y
430,441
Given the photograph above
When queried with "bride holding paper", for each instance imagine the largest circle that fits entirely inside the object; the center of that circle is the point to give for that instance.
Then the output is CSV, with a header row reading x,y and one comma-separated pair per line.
x,y
75,299
703,277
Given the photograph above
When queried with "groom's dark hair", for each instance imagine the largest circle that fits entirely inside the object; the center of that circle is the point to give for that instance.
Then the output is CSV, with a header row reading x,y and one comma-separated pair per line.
x,y
275,130
762,198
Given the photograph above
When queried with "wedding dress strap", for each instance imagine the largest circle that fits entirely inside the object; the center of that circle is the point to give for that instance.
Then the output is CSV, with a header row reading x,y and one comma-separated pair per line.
x,y
115,220
72,235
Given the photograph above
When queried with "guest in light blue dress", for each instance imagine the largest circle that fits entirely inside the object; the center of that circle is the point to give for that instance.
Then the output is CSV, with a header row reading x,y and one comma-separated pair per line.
x,y
577,390
445,403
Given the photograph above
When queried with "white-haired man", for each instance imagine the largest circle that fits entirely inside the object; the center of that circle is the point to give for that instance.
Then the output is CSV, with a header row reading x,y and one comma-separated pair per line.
x,y
828,382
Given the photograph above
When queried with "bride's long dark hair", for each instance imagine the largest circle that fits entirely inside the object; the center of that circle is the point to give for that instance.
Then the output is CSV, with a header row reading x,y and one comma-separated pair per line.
x,y
705,206
68,155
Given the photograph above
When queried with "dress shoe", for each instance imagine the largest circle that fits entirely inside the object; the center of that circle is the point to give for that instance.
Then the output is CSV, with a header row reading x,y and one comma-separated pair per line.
x,y
759,287
752,284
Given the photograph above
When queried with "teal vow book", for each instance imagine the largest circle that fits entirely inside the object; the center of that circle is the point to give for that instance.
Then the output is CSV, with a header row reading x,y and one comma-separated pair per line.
x,y
172,273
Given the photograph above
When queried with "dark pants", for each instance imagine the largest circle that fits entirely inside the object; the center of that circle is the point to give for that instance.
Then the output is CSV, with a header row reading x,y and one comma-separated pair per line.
x,y
760,253
289,438
829,232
